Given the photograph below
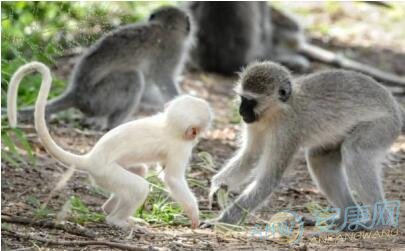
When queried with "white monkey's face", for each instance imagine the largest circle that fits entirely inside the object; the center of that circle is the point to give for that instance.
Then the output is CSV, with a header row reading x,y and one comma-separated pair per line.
x,y
187,113
262,87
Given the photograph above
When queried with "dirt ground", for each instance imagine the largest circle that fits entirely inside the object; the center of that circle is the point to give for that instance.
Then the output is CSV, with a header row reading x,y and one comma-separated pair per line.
x,y
22,231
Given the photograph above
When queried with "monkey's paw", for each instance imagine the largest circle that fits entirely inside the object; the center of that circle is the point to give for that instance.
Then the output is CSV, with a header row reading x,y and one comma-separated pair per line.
x,y
131,224
192,213
195,223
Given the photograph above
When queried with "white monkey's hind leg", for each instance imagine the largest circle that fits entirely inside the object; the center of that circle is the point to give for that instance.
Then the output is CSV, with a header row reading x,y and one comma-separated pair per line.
x,y
129,189
110,204
326,170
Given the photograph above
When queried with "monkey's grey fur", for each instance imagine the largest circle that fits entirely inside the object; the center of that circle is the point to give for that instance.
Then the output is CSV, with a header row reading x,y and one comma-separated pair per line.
x,y
229,35
344,120
109,80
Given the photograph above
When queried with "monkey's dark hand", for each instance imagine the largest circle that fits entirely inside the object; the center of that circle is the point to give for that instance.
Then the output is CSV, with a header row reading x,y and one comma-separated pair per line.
x,y
207,224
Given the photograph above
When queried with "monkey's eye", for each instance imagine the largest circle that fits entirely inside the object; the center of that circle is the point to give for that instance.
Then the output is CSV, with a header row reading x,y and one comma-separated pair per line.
x,y
152,17
284,94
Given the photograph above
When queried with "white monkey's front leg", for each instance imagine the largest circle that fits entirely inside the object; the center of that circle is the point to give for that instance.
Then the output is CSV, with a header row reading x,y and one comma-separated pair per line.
x,y
182,194
174,178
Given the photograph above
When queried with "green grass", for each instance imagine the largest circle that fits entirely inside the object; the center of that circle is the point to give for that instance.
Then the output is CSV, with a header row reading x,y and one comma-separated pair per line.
x,y
158,207
14,146
81,214
41,211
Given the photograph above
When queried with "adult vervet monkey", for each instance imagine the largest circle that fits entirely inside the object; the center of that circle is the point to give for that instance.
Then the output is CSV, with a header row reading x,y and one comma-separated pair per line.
x,y
110,79
344,120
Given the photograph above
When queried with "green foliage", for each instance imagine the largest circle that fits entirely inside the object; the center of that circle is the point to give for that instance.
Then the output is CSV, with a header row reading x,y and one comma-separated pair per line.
x,y
42,31
158,208
41,211
81,214
14,142
27,32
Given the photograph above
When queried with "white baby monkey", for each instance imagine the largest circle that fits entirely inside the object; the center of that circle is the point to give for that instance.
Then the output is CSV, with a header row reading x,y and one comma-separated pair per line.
x,y
166,138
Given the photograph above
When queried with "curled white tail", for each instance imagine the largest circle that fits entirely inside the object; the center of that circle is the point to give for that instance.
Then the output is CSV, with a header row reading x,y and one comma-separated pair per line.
x,y
65,157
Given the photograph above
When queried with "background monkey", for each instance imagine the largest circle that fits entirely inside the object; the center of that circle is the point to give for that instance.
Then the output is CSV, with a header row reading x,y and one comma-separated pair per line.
x,y
344,120
229,35
108,81
167,138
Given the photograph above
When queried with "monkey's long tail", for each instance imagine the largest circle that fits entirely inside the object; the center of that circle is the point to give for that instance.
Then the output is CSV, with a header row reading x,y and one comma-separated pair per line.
x,y
326,56
67,158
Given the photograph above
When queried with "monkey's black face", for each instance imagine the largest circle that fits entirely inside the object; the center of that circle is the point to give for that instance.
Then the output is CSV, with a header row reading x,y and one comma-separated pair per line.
x,y
246,110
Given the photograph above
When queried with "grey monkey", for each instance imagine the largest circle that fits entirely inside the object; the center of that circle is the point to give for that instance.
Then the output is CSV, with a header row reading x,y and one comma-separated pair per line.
x,y
344,120
110,78
230,35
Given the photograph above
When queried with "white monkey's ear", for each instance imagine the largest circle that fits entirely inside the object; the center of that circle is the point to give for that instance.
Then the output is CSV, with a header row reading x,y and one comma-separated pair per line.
x,y
192,132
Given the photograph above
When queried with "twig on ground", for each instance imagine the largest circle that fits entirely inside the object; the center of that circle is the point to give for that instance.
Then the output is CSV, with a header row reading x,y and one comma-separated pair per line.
x,y
48,224
118,245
